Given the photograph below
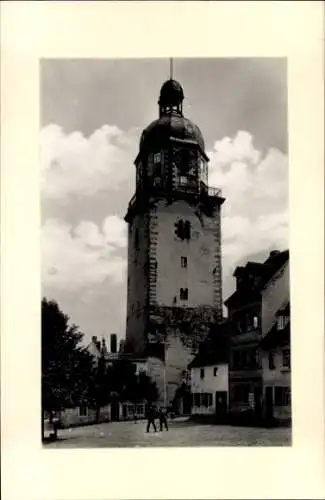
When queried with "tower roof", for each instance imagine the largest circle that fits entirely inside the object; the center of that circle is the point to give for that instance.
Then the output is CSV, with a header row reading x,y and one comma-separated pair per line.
x,y
167,126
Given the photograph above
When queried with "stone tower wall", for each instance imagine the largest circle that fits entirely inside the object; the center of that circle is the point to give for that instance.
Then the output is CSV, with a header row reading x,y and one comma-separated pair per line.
x,y
138,281
202,276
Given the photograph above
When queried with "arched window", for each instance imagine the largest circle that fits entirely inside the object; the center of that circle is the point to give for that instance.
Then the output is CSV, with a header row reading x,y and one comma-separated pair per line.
x,y
183,229
187,230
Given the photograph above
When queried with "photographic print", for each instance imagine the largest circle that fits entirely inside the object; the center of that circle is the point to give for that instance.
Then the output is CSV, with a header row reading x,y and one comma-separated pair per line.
x,y
165,253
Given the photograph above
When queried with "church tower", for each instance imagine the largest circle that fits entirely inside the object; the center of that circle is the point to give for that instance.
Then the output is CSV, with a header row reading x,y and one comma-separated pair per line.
x,y
174,245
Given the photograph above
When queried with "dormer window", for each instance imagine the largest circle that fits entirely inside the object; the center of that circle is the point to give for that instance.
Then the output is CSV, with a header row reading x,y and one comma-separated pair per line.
x,y
157,158
282,321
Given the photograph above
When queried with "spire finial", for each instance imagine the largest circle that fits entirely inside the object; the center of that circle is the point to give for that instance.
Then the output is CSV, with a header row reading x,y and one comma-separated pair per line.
x,y
171,68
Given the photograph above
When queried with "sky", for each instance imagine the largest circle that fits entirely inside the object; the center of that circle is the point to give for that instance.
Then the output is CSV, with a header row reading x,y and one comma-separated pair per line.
x,y
92,116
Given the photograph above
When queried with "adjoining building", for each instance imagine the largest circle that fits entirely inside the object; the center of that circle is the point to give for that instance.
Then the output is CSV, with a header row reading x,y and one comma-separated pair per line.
x,y
245,312
209,374
275,347
174,246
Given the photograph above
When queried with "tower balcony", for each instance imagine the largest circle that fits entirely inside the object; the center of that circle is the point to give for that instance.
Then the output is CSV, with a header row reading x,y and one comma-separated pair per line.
x,y
181,188
212,191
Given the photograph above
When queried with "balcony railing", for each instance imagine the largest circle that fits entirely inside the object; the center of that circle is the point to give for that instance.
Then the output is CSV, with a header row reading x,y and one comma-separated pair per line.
x,y
211,190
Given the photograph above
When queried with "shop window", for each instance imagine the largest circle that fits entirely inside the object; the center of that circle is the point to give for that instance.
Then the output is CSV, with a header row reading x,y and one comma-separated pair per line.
x,y
282,396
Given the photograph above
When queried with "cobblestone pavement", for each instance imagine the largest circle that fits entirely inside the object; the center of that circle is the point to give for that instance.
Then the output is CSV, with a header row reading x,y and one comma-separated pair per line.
x,y
130,434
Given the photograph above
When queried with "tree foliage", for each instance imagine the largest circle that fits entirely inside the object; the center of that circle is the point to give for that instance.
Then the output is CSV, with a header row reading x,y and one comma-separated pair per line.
x,y
71,376
67,367
131,386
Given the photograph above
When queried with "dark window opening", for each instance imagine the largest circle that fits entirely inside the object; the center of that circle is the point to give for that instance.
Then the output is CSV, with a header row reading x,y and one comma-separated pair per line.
x,y
187,230
282,396
215,371
183,229
183,293
183,261
202,399
201,373
83,411
271,361
286,358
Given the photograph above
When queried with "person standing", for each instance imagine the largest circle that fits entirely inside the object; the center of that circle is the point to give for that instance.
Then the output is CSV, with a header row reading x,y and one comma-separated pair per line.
x,y
151,418
163,419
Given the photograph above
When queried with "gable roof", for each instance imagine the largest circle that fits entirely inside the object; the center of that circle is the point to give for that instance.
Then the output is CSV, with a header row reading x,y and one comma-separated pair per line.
x,y
284,309
276,337
215,348
251,291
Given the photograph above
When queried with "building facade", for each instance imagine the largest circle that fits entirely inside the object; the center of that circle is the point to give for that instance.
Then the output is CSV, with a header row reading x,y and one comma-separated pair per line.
x,y
245,312
209,387
275,346
209,373
174,245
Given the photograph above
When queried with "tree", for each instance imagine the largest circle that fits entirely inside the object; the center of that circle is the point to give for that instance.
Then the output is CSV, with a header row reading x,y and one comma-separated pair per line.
x,y
130,386
147,389
67,367
100,386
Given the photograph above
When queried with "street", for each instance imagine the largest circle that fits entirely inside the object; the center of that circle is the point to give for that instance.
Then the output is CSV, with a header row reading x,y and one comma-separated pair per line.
x,y
180,433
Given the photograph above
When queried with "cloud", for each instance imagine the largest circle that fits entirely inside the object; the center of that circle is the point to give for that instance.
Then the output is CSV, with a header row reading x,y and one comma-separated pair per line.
x,y
73,164
85,263
255,213
243,237
83,256
240,148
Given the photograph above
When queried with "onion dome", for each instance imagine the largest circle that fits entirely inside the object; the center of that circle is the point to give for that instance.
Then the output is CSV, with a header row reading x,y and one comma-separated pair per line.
x,y
178,127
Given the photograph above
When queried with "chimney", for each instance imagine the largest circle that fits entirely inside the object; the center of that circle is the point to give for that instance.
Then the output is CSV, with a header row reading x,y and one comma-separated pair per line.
x,y
122,343
104,348
113,343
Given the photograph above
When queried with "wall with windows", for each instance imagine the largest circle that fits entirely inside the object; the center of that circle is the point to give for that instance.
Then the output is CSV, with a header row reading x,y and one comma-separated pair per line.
x,y
187,255
205,382
277,375
73,417
274,295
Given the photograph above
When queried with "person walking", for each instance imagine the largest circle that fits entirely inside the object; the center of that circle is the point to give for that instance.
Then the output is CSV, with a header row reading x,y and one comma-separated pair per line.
x,y
163,419
151,414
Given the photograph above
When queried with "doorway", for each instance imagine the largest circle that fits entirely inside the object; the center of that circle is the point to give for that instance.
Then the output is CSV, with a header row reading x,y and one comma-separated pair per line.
x,y
115,411
221,403
269,402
